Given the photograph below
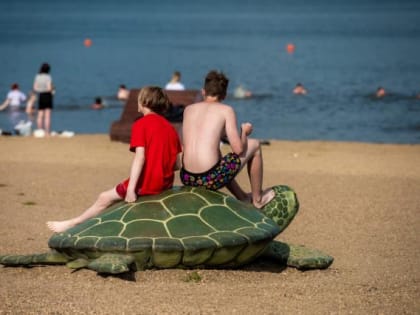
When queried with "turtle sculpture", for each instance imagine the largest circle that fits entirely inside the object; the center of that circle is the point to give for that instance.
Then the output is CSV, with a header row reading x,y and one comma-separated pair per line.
x,y
180,228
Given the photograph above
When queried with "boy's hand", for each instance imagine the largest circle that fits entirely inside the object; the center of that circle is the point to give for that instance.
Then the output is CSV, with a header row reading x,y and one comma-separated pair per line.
x,y
130,197
247,128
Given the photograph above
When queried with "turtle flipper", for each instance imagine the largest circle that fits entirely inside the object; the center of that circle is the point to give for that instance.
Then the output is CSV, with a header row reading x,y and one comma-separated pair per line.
x,y
304,258
111,263
78,263
51,258
298,256
283,207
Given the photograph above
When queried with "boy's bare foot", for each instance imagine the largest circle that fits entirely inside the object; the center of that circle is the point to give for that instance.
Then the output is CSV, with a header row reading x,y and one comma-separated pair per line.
x,y
266,196
60,226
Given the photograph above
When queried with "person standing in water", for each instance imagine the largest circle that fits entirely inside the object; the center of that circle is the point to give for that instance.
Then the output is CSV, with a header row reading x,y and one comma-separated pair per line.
x,y
13,101
175,83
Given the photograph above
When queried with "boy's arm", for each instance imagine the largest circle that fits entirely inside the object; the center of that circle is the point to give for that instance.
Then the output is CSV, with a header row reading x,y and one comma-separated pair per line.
x,y
136,169
238,142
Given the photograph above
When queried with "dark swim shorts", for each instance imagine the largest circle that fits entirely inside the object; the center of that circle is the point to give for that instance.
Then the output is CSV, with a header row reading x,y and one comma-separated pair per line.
x,y
217,177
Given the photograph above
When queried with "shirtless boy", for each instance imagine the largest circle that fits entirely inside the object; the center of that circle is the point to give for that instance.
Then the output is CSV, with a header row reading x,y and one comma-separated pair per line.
x,y
204,125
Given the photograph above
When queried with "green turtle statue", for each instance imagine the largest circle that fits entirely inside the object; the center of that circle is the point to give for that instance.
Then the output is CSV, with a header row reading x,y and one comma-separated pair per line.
x,y
183,227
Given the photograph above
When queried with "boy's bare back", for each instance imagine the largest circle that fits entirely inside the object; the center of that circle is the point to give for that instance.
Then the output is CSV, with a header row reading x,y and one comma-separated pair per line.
x,y
204,125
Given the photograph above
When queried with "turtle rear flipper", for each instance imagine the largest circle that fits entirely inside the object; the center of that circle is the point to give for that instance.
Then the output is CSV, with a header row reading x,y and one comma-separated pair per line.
x,y
304,258
50,258
111,263
297,256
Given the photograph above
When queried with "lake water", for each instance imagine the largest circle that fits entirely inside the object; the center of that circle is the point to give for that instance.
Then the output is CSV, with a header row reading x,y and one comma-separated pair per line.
x,y
344,50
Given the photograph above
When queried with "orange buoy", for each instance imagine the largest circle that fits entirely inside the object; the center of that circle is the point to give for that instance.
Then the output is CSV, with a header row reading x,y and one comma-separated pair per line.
x,y
88,42
290,48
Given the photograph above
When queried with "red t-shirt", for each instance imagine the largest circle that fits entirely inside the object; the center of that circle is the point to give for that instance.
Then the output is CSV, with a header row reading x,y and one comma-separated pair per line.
x,y
161,147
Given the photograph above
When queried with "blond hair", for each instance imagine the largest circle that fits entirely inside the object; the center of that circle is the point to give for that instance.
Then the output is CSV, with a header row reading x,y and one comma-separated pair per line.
x,y
154,98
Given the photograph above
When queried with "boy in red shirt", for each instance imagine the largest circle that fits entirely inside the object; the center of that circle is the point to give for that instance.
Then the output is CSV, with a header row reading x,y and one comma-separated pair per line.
x,y
157,155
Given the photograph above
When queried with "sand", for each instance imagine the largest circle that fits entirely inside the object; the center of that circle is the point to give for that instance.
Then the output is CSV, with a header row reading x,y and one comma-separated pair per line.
x,y
359,202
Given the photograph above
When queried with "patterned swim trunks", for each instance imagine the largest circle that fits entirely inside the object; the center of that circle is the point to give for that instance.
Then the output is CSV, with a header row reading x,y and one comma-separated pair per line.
x,y
217,177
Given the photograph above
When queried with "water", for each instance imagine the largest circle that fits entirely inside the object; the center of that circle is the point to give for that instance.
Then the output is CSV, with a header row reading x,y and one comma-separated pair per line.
x,y
344,51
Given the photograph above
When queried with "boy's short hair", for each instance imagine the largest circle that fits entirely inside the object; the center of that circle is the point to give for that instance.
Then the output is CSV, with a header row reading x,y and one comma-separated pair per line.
x,y
154,98
216,84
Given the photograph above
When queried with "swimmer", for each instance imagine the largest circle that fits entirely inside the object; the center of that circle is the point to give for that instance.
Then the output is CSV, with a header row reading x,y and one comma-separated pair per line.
x,y
98,104
241,92
380,92
299,89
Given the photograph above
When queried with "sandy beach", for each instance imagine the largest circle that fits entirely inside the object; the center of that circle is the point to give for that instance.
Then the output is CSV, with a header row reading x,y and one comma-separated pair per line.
x,y
360,203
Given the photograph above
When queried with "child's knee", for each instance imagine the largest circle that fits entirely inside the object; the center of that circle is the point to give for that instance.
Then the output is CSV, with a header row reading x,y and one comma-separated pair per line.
x,y
103,197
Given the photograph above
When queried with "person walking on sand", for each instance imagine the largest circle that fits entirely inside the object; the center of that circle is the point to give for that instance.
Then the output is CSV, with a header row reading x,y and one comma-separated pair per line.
x,y
44,87
157,155
204,124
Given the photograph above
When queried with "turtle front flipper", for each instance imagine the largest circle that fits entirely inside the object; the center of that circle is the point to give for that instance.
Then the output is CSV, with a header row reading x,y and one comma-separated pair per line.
x,y
50,258
111,263
298,256
283,207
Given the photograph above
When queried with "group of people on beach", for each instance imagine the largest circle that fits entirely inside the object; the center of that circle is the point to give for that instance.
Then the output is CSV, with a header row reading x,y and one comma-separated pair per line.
x,y
158,151
42,90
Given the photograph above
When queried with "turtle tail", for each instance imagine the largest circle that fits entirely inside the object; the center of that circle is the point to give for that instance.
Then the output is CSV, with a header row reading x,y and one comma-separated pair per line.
x,y
51,258
283,207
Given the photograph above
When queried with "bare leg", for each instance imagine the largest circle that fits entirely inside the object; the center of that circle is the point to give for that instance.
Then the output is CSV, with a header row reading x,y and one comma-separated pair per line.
x,y
47,120
237,191
104,200
253,159
40,119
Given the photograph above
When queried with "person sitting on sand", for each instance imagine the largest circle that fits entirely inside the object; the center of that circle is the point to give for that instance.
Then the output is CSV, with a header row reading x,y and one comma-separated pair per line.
x,y
157,155
175,83
300,89
123,93
204,124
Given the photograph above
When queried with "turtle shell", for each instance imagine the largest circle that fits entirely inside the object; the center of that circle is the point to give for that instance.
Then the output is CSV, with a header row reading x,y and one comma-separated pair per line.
x,y
183,226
